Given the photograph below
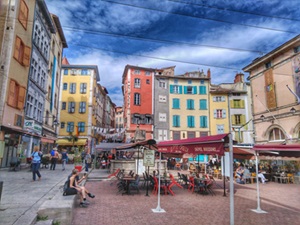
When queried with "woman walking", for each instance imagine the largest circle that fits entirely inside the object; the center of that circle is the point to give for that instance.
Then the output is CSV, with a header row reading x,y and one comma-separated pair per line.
x,y
36,161
64,158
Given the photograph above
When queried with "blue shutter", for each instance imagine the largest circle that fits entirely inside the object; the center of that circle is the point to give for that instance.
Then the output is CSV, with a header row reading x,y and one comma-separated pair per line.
x,y
192,104
223,113
188,121
188,104
174,121
180,89
203,121
193,121
178,103
204,90
185,89
173,103
178,121
171,89
195,90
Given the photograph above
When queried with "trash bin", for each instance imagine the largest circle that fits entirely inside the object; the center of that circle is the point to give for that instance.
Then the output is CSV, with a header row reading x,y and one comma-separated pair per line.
x,y
1,186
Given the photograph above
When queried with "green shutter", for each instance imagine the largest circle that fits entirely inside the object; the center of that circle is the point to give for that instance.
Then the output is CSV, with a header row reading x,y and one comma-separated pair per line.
x,y
233,121
180,89
171,89
195,90
242,104
231,104
243,119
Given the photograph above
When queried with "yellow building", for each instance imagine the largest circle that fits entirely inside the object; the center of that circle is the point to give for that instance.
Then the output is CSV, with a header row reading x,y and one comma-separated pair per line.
x,y
77,109
219,113
188,105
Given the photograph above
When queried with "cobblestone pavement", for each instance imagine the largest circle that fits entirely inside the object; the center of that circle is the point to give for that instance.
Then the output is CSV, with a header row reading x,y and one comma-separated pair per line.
x,y
281,201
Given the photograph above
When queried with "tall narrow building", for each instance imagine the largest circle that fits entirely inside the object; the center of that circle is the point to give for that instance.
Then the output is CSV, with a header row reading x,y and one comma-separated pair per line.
x,y
15,52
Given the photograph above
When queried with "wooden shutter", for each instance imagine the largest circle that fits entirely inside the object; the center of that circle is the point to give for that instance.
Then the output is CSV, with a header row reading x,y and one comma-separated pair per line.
x,y
26,58
11,93
195,90
232,103
233,121
21,98
242,104
17,48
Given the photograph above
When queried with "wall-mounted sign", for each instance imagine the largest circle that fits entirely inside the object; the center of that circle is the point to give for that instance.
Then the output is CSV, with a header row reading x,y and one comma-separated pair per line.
x,y
31,125
149,157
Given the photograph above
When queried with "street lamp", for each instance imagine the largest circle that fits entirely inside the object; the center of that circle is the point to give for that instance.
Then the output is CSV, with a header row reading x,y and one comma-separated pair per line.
x,y
293,110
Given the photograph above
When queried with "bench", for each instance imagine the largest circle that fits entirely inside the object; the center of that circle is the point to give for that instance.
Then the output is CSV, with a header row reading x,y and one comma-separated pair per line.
x,y
59,208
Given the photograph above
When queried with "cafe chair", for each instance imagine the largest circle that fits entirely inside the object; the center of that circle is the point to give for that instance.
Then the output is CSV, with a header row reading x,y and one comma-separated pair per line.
x,y
290,178
135,184
173,183
191,186
162,186
185,180
180,179
209,187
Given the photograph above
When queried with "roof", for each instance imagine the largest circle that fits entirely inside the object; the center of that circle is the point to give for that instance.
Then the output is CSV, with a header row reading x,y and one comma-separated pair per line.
x,y
60,30
94,67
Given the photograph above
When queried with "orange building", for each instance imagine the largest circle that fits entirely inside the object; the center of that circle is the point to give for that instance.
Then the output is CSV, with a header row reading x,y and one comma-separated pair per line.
x,y
138,104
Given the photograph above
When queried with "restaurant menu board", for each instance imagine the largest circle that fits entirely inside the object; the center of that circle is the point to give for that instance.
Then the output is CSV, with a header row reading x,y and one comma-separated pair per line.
x,y
149,158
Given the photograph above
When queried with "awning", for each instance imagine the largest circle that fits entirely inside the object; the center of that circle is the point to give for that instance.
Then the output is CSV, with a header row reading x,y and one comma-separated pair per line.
x,y
80,141
19,131
208,145
48,140
240,152
281,150
148,143
108,146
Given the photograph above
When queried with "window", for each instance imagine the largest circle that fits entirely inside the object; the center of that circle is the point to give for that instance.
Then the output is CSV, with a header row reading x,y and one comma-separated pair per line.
x,y
219,113
136,118
189,90
147,73
175,89
137,71
176,121
82,107
81,127
219,99
73,72
191,134
176,103
147,81
203,134
268,65
162,98
190,121
162,117
190,104
203,104
148,119
18,120
137,99
237,103
84,72
162,84
202,90
62,125
176,135
70,126
201,81
22,52
238,119
83,88
72,88
23,14
276,134
190,82
203,121
16,95
297,49
65,71
175,81
220,129
63,106
71,108
65,86
137,83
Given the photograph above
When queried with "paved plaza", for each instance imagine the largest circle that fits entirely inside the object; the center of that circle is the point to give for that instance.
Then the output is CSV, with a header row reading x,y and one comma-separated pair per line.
x,y
281,201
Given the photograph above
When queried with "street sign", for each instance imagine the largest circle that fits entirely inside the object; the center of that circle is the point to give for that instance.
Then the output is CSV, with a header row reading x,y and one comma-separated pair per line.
x,y
149,157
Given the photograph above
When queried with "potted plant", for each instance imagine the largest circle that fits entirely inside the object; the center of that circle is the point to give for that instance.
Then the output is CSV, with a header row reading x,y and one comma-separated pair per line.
x,y
77,162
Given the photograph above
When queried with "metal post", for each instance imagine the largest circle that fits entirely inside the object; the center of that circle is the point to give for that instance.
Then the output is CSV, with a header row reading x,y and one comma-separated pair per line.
x,y
158,208
258,209
231,180
147,183
223,173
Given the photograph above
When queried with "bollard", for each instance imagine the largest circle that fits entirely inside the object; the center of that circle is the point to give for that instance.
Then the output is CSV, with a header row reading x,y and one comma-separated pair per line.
x,y
1,186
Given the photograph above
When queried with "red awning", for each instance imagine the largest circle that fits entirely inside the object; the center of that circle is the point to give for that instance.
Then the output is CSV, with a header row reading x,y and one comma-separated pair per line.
x,y
208,145
243,153
289,150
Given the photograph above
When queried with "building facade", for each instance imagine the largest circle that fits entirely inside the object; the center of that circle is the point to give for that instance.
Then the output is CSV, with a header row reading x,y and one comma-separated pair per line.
x,y
275,84
16,44
78,93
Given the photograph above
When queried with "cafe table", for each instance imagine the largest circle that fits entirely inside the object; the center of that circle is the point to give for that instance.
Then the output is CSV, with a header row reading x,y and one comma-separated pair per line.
x,y
128,180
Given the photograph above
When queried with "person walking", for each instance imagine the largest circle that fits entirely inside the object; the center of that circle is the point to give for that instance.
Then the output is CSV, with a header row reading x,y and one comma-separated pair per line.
x,y
64,158
87,160
36,162
54,157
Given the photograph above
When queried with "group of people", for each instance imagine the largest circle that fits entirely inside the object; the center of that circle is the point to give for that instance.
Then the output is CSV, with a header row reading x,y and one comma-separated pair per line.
x,y
243,173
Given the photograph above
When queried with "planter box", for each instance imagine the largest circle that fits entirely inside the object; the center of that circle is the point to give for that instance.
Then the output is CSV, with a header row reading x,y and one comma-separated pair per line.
x,y
78,167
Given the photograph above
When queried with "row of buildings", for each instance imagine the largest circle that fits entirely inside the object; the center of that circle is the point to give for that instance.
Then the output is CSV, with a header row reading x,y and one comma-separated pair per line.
x,y
44,100
264,109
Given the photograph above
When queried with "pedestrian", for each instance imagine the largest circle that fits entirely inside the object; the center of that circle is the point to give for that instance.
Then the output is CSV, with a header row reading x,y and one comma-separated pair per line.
x,y
54,157
64,159
36,162
87,160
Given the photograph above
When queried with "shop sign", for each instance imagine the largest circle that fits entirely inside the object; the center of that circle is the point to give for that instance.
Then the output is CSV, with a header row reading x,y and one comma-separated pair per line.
x,y
149,157
31,125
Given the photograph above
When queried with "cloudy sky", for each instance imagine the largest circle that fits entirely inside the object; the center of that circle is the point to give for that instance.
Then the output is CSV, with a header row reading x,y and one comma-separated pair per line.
x,y
223,35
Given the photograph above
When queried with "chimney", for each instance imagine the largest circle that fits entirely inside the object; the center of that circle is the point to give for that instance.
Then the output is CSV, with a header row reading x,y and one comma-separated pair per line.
x,y
208,73
239,78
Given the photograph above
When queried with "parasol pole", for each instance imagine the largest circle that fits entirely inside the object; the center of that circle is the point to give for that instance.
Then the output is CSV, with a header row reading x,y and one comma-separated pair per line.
x,y
158,208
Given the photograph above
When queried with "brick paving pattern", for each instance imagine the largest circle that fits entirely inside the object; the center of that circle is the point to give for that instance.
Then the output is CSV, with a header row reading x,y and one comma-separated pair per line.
x,y
281,201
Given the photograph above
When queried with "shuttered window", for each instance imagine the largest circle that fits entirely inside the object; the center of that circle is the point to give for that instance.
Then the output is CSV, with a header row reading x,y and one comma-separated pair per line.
x,y
23,14
176,103
22,52
16,95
